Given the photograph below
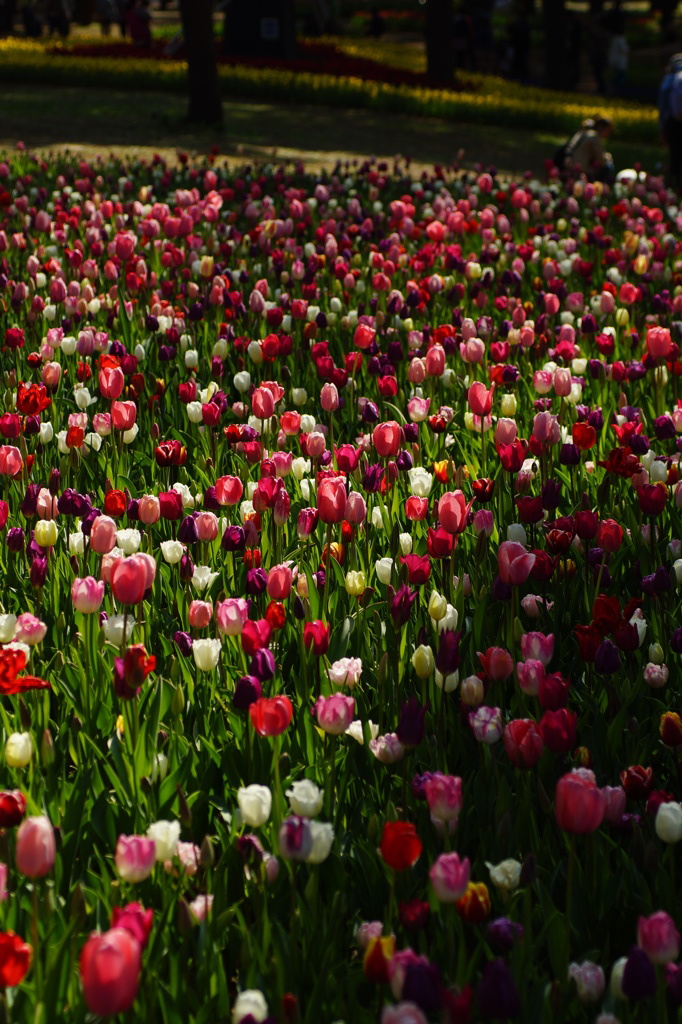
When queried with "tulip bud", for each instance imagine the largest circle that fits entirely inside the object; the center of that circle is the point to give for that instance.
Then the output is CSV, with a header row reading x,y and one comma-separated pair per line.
x,y
178,702
18,749
207,854
438,606
423,661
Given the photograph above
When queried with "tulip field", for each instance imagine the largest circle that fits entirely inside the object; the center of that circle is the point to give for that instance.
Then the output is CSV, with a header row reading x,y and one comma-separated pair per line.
x,y
341,546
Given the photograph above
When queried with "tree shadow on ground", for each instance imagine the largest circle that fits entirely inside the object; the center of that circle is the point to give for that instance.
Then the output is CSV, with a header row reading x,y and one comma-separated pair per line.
x,y
106,119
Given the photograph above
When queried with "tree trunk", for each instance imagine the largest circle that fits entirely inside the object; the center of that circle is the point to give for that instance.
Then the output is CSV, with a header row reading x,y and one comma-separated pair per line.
x,y
202,69
440,57
554,17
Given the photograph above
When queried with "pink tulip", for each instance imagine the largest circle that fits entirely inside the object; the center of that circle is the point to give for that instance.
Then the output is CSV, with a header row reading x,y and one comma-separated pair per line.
x,y
614,797
416,372
546,428
262,403
111,382
497,663
35,849
450,877
538,647
279,582
387,438
435,361
356,509
11,461
472,351
207,526
229,490
658,342
46,504
579,804
129,578
331,499
658,937
563,380
334,714
453,511
87,594
329,397
149,509
135,858
231,615
543,381
316,444
402,1013
200,614
506,431
101,423
514,562
418,409
530,674
480,398
110,969
123,415
484,522
444,796
103,535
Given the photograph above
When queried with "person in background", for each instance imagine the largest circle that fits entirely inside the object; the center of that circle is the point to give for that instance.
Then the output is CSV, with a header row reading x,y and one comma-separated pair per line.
x,y
58,15
586,151
139,23
670,115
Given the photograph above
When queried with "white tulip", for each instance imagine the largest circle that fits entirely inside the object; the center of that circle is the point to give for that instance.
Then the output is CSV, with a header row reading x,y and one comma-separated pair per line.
x,y
165,835
255,804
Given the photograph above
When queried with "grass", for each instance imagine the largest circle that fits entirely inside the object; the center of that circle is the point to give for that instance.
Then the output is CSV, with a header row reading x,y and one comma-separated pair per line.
x,y
104,119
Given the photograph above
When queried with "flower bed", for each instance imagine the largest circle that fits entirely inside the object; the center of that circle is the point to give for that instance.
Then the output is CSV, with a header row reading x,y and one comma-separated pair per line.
x,y
340,638
481,99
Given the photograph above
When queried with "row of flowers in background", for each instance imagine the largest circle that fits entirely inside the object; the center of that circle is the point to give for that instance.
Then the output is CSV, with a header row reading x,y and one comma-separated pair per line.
x,y
481,99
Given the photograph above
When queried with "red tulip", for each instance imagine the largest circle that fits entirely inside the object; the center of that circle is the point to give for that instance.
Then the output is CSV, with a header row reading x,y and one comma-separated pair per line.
x,y
111,382
15,959
279,582
387,438
110,968
558,730
579,804
255,635
453,511
400,845
170,505
637,781
609,535
262,403
130,579
652,498
331,499
123,415
480,398
416,508
316,635
228,490
12,808
512,456
270,716
523,743
135,919
439,543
